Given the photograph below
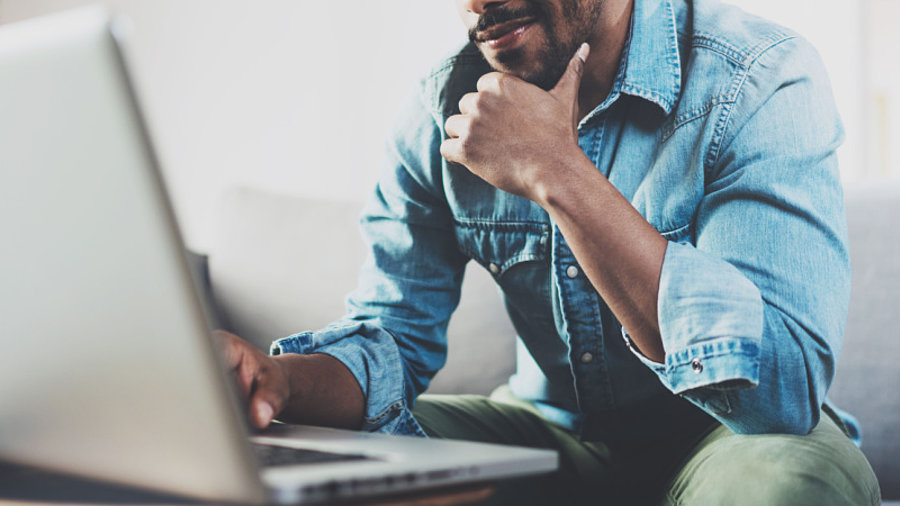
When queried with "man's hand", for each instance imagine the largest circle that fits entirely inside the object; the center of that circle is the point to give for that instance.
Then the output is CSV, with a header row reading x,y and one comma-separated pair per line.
x,y
315,389
513,134
524,140
261,380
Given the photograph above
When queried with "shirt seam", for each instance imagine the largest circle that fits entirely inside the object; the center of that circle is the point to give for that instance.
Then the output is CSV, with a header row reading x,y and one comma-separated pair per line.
x,y
693,115
711,355
486,223
741,57
740,79
391,408
436,191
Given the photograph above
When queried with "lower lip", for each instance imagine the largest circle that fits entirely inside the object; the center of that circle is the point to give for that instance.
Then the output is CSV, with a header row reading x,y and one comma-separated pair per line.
x,y
510,39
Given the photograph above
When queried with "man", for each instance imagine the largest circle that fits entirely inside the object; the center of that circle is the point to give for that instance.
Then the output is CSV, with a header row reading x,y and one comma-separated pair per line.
x,y
653,185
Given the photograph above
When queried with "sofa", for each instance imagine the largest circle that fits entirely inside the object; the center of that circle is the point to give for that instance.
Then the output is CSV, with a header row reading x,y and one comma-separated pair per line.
x,y
278,264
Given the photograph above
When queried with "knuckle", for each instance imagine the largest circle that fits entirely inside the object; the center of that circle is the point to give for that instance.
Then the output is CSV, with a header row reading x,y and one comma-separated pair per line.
x,y
272,386
468,101
453,127
489,81
465,126
465,148
578,66
502,83
479,101
449,150
507,84
265,380
223,335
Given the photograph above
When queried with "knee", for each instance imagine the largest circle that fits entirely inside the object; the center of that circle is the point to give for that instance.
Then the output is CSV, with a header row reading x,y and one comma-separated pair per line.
x,y
778,470
809,478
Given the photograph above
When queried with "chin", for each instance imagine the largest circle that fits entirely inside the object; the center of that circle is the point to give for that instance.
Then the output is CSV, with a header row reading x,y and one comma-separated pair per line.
x,y
515,62
529,64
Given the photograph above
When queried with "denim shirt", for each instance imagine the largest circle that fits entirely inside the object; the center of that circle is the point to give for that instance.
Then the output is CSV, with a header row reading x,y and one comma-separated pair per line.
x,y
721,131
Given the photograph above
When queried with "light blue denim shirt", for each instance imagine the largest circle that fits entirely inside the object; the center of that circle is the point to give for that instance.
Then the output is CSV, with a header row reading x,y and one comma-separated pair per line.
x,y
721,131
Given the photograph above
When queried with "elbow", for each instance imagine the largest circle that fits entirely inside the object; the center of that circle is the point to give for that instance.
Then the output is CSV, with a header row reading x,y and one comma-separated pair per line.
x,y
791,417
798,418
798,426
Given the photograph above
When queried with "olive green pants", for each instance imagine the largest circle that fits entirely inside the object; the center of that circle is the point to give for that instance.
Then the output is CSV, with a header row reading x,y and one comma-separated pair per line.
x,y
715,467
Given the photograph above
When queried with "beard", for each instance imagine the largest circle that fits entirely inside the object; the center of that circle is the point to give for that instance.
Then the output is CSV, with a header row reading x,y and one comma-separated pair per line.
x,y
544,69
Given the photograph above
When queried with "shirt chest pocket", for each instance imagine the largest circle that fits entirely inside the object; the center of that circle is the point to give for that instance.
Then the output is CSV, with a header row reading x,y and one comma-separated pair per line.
x,y
504,248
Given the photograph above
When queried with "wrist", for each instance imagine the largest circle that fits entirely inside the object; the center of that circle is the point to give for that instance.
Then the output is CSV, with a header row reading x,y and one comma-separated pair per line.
x,y
291,367
567,172
322,391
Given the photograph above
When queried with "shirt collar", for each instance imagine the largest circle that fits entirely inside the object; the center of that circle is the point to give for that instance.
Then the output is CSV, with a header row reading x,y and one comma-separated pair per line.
x,y
651,65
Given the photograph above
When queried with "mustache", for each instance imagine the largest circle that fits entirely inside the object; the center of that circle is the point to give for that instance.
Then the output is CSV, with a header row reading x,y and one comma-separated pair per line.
x,y
496,17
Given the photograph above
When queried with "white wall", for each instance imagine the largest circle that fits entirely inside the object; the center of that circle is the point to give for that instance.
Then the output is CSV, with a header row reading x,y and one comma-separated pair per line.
x,y
296,96
293,96
836,28
882,108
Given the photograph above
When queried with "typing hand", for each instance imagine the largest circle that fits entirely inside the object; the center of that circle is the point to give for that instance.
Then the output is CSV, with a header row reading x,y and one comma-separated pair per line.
x,y
261,379
315,389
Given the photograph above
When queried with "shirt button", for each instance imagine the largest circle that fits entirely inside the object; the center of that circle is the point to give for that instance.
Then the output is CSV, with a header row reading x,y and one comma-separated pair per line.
x,y
494,268
572,271
543,240
586,357
697,366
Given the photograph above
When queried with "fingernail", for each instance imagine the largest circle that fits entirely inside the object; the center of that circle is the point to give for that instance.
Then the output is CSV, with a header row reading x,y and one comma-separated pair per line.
x,y
264,412
583,51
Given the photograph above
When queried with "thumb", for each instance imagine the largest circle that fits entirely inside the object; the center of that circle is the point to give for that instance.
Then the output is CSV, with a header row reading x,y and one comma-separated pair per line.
x,y
262,415
568,84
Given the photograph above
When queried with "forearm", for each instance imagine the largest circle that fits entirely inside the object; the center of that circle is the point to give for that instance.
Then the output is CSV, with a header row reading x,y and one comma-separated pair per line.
x,y
617,249
323,391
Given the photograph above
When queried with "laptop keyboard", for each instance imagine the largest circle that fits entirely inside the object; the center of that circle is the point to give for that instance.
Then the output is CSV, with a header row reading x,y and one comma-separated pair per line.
x,y
271,455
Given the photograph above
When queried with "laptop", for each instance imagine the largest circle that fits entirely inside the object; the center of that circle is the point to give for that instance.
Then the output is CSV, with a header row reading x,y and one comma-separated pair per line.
x,y
108,369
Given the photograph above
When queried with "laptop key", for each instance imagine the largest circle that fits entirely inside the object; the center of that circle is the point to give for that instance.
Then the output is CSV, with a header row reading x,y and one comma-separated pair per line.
x,y
272,455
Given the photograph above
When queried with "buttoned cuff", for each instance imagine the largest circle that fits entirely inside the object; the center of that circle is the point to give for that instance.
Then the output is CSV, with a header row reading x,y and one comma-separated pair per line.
x,y
711,323
725,363
371,354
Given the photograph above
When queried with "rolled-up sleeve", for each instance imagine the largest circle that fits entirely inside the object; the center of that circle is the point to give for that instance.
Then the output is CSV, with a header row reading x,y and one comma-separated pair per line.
x,y
393,337
752,305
